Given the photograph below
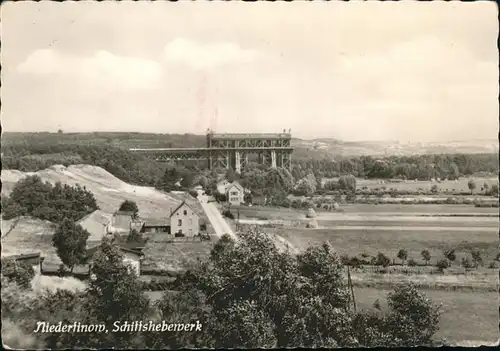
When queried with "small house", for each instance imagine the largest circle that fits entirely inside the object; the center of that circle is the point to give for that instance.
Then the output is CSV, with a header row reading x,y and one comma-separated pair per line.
x,y
97,224
156,226
123,222
184,221
235,194
132,257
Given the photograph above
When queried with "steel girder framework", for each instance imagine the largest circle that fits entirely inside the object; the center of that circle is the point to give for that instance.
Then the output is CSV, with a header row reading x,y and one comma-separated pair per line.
x,y
232,151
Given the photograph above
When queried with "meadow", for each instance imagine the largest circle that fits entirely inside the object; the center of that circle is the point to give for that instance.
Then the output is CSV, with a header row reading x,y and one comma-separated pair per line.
x,y
458,186
469,316
389,240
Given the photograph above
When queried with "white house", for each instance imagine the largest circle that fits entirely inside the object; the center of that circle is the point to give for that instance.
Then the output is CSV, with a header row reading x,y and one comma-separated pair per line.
x,y
185,221
97,223
235,194
133,258
123,222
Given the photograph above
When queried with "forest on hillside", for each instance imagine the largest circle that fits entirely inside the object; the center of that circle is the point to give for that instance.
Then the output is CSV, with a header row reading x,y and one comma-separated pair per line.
x,y
31,152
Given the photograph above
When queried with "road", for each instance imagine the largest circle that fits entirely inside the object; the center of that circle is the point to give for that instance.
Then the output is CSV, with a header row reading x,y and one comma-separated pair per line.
x,y
218,222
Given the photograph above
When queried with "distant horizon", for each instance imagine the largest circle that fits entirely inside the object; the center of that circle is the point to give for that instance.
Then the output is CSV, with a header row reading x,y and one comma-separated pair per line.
x,y
268,132
385,71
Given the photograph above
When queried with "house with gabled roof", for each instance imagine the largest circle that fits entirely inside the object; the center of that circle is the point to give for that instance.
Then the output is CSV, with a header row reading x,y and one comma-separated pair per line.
x,y
97,224
131,256
235,194
184,221
31,259
123,222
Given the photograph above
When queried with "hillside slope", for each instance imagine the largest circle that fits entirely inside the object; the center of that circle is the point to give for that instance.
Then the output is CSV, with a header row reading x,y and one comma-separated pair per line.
x,y
108,190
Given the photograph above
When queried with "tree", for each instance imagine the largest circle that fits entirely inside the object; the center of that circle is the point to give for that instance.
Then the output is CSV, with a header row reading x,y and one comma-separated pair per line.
x,y
231,175
454,172
426,255
130,206
134,237
70,241
443,264
494,190
31,193
382,260
434,189
11,209
412,262
31,196
467,262
169,179
273,288
477,258
450,254
187,179
486,187
114,294
348,182
21,274
472,185
414,319
243,324
403,255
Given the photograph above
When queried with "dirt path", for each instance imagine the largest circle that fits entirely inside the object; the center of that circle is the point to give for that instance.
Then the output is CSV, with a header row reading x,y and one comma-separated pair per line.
x,y
219,224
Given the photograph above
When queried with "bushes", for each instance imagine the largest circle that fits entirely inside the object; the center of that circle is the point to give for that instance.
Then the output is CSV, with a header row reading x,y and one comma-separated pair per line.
x,y
157,284
20,273
466,262
11,209
443,264
381,260
494,265
228,214
30,196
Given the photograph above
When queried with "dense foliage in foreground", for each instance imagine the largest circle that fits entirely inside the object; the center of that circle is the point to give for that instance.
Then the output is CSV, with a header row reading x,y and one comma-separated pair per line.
x,y
247,295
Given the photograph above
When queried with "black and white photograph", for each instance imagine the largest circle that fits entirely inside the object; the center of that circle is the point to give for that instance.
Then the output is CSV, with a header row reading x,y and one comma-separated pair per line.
x,y
245,175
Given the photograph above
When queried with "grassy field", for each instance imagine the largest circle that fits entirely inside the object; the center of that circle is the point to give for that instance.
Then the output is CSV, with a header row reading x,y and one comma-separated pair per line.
x,y
389,228
420,209
458,186
466,315
262,212
373,240
174,256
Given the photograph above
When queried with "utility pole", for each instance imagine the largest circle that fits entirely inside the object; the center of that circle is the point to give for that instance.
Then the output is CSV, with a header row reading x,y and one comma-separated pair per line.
x,y
349,283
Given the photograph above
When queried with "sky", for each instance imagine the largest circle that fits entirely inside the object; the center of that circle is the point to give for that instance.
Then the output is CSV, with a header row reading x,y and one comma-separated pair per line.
x,y
406,71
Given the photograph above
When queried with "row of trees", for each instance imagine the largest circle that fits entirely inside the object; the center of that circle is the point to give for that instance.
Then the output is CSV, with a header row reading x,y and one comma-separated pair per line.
x,y
33,197
423,167
246,295
473,259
